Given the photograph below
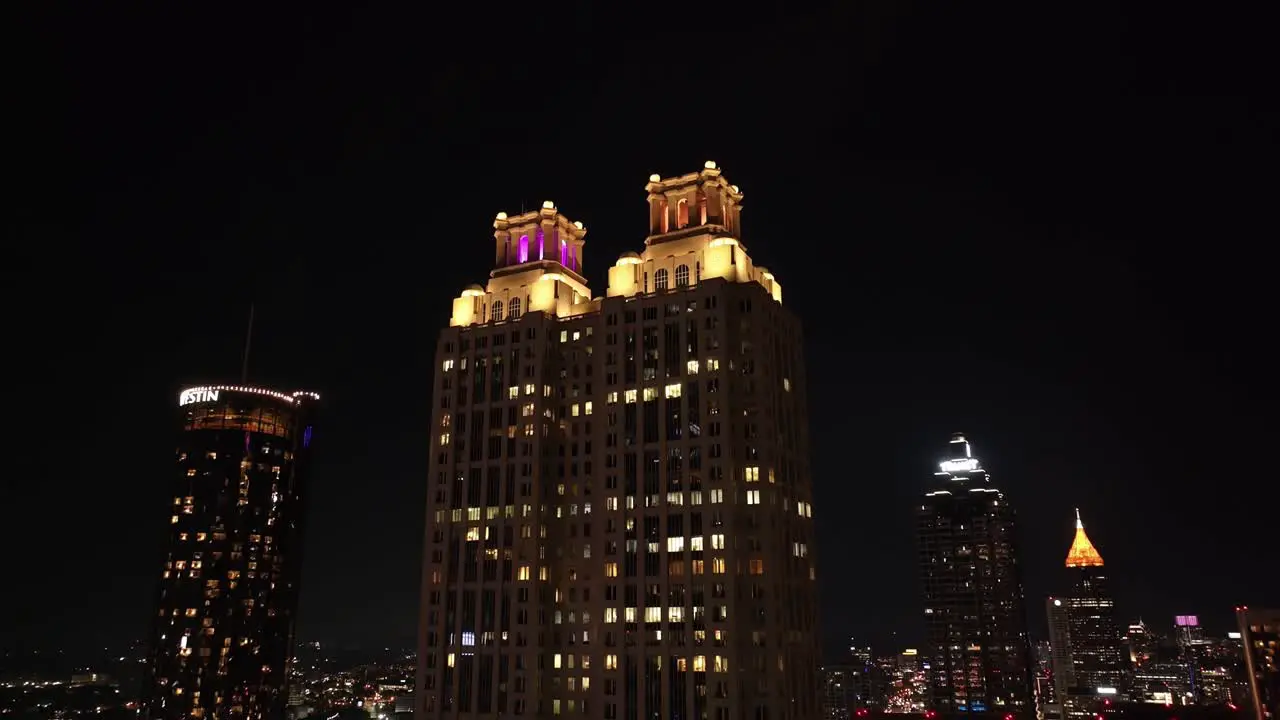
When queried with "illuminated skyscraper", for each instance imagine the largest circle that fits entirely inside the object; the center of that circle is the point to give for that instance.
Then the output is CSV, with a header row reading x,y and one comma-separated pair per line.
x,y
619,518
1096,643
974,616
223,630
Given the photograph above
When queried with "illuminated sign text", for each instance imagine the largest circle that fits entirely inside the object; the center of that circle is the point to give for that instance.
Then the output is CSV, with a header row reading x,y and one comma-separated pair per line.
x,y
197,395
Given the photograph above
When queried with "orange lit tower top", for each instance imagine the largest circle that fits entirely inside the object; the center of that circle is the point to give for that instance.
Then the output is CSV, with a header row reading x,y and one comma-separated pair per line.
x,y
1082,554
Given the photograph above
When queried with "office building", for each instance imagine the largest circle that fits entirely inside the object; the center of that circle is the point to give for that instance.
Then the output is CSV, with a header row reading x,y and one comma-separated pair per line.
x,y
1096,643
224,624
975,622
619,514
1061,666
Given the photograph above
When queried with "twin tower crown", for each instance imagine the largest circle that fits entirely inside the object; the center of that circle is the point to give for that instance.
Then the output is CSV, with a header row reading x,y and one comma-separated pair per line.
x,y
538,266
695,203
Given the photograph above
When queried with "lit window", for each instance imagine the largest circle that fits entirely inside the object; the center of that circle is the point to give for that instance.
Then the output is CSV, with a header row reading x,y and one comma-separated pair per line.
x,y
523,573
191,472
513,392
753,497
691,367
610,662
611,569
653,614
673,390
751,474
573,410
757,566
675,544
630,396
447,365
717,566
444,438
586,408
611,398
650,394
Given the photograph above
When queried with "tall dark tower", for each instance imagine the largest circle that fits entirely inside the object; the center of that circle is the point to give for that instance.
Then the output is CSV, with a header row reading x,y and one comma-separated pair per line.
x,y
222,634
619,509
974,616
1098,666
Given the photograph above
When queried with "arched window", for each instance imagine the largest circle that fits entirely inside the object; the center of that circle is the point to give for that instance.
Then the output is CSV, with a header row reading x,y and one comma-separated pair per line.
x,y
497,311
513,308
660,280
682,276
682,213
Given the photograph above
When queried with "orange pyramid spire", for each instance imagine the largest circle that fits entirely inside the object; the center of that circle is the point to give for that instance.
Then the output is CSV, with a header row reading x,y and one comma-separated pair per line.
x,y
1083,553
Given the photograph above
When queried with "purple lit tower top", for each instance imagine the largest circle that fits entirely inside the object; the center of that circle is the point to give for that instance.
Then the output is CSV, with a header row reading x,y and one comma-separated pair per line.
x,y
513,236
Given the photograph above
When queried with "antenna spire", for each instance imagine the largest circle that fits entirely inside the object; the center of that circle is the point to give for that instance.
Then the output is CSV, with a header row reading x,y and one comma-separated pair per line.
x,y
248,342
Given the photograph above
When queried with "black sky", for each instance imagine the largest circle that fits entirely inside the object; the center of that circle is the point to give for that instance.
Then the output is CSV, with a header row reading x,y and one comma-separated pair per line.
x,y
1049,228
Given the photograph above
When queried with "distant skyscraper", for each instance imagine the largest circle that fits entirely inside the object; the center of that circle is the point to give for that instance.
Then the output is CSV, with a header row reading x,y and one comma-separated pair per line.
x,y
619,517
1140,643
1097,656
1063,669
1260,641
1187,632
223,629
980,658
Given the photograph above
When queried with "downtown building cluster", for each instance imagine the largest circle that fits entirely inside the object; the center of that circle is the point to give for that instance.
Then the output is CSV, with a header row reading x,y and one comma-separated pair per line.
x,y
619,523
979,659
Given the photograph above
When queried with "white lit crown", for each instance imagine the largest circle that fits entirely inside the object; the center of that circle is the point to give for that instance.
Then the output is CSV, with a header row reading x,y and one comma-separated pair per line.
x,y
959,456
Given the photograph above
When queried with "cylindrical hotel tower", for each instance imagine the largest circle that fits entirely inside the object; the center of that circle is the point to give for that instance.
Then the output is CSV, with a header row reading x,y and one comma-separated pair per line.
x,y
222,632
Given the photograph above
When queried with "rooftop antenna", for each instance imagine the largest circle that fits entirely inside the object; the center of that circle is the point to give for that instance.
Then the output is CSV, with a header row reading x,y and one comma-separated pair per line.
x,y
248,341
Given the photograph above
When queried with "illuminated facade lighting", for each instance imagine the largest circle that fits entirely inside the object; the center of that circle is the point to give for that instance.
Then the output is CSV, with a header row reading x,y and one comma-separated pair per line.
x,y
619,501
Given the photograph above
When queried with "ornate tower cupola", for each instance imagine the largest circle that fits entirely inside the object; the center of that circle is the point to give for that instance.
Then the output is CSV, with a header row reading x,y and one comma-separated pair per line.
x,y
540,236
693,204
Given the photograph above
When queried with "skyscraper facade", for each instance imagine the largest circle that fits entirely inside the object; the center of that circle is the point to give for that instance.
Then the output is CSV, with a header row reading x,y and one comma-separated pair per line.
x,y
223,630
1260,644
1095,641
619,515
1060,663
974,615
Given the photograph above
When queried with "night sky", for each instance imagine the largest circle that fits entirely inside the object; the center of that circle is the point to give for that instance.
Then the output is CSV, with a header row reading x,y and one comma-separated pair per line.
x,y
1050,230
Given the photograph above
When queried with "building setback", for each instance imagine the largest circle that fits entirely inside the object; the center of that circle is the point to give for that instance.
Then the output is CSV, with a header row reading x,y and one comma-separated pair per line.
x,y
619,516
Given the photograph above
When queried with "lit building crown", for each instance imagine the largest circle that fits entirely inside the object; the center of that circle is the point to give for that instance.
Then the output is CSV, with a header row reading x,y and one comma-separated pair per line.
x,y
1082,554
961,459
